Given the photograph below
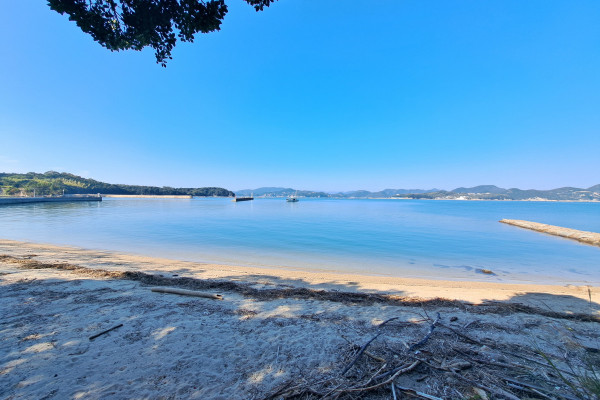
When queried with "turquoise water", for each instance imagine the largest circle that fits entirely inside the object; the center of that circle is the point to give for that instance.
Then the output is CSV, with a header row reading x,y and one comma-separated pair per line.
x,y
411,238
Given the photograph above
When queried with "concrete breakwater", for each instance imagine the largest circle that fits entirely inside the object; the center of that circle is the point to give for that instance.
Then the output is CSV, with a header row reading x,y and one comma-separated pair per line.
x,y
25,200
148,196
592,238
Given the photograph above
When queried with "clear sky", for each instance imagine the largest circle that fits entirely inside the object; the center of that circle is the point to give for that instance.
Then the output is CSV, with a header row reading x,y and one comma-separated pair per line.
x,y
315,94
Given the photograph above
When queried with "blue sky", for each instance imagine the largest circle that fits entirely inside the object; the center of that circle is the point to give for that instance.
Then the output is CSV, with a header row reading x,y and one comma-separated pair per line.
x,y
324,95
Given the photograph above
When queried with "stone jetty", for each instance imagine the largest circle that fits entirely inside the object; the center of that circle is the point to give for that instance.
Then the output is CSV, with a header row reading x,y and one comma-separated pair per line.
x,y
61,199
149,196
592,238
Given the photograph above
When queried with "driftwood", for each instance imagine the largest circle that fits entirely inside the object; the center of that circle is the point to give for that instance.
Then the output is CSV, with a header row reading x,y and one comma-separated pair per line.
x,y
402,369
185,292
492,345
387,382
462,335
106,331
364,347
528,387
360,352
426,338
443,362
417,393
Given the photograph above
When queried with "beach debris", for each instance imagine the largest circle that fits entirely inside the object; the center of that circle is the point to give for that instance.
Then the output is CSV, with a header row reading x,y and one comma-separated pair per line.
x,y
444,362
106,331
426,338
247,290
185,292
360,352
485,271
481,393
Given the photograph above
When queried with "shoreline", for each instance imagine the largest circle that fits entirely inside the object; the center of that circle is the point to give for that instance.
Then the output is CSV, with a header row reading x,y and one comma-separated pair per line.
x,y
87,324
422,288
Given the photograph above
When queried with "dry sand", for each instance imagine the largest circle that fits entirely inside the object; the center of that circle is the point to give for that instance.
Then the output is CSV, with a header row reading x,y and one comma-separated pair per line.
x,y
274,327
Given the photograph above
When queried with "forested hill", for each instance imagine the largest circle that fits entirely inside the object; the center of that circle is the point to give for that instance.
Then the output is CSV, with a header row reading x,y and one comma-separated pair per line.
x,y
53,183
490,192
483,192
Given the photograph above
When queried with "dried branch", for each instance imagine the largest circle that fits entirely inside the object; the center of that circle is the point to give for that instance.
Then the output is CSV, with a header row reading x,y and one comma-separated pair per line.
x,y
386,382
104,332
426,338
360,352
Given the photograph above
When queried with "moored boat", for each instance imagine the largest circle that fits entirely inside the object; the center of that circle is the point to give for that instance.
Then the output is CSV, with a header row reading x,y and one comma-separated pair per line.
x,y
293,198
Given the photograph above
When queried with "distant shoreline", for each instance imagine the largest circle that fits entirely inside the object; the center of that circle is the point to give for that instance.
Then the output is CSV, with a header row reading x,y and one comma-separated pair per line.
x,y
528,200
408,198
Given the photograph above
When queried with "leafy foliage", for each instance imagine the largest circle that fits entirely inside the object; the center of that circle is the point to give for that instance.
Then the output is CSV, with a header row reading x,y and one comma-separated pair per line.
x,y
53,183
135,24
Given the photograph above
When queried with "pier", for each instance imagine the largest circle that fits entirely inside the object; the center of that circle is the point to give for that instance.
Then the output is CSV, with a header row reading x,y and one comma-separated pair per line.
x,y
61,199
592,238
149,196
246,198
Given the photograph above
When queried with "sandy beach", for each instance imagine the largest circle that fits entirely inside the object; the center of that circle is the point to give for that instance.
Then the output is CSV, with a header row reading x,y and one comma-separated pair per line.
x,y
278,333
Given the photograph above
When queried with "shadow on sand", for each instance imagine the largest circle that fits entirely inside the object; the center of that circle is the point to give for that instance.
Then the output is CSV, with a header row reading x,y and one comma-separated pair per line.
x,y
273,338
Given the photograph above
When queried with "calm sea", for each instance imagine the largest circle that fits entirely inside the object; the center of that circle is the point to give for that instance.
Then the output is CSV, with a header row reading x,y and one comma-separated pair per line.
x,y
411,238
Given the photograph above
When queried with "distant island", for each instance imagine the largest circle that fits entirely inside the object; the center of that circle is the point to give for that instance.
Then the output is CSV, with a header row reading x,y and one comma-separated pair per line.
x,y
284,192
54,183
483,192
491,192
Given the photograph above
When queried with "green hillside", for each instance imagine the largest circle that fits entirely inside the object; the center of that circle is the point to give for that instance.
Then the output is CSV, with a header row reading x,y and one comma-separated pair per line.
x,y
54,183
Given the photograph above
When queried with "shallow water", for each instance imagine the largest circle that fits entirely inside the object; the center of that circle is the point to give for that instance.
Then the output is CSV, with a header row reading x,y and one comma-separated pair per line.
x,y
412,238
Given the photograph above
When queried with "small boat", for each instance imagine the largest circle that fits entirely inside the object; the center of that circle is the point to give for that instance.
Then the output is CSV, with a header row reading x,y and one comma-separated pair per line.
x,y
293,198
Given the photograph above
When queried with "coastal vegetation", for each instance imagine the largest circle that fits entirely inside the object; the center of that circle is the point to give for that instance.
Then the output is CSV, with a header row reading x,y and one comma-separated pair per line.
x,y
54,183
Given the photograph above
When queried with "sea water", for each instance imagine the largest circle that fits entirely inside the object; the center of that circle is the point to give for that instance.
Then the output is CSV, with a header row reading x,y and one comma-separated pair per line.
x,y
439,239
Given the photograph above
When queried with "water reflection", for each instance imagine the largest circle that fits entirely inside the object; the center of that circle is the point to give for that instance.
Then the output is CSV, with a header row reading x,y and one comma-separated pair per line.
x,y
445,239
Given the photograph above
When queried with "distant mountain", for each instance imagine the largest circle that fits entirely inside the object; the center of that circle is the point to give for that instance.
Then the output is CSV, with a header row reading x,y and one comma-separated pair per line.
x,y
279,192
263,191
382,193
490,192
482,192
55,183
355,193
284,192
564,193
403,191
480,189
